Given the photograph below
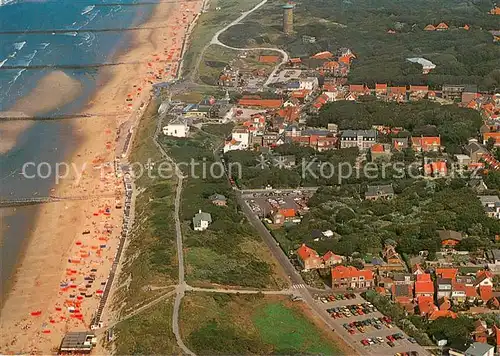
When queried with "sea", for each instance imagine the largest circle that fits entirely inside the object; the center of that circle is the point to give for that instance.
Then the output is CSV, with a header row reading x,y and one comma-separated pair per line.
x,y
35,35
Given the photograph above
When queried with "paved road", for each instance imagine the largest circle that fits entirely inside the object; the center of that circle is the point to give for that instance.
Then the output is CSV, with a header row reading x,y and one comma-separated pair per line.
x,y
181,286
319,308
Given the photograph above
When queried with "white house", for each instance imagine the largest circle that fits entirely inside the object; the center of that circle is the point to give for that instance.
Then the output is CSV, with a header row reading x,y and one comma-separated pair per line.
x,y
201,221
309,83
240,140
176,128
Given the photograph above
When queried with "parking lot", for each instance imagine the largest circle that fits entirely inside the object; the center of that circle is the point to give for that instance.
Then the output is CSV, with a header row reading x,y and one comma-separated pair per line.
x,y
263,205
370,329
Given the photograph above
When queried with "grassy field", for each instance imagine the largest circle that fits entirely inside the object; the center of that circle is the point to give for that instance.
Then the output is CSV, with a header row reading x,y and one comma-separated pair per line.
x,y
150,258
209,23
148,333
230,252
250,324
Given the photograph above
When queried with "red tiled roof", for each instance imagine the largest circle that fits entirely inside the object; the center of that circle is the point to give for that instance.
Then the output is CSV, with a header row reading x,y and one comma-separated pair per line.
x,y
357,88
331,65
430,28
419,88
426,141
295,60
426,305
442,26
264,103
322,55
442,314
269,59
287,213
424,277
305,252
380,86
397,90
481,275
447,272
378,147
486,293
349,272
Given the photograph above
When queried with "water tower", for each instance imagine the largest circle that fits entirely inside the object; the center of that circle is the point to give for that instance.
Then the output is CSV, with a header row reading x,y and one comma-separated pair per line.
x,y
288,18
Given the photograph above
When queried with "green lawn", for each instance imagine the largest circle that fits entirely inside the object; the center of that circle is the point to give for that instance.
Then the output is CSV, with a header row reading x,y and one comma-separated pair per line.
x,y
290,332
250,324
230,252
148,333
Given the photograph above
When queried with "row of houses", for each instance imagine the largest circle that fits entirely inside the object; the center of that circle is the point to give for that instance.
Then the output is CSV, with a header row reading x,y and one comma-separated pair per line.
x,y
433,293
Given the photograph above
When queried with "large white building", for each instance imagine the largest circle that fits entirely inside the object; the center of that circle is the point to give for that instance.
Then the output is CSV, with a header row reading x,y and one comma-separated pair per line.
x,y
176,128
240,140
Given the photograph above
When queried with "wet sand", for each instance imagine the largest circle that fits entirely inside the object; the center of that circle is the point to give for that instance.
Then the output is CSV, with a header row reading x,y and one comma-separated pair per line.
x,y
51,293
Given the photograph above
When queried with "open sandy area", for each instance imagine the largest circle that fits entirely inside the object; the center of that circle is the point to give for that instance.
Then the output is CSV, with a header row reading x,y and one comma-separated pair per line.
x,y
64,269
63,89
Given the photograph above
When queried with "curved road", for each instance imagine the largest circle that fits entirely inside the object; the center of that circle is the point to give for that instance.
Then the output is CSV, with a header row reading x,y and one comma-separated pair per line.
x,y
215,41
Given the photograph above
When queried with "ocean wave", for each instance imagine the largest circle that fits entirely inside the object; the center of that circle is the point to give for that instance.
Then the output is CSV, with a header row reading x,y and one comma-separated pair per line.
x,y
41,46
16,77
3,62
70,33
88,38
26,61
6,2
19,45
90,18
88,9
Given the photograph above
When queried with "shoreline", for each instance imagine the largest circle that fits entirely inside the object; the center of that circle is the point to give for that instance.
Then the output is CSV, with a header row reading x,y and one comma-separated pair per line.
x,y
58,225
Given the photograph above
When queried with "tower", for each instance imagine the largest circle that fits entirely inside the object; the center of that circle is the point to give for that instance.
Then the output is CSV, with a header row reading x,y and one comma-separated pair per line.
x,y
288,18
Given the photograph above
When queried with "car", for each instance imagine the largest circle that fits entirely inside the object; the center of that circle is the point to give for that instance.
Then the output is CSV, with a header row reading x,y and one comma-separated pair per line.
x,y
398,336
380,340
390,338
377,326
391,344
412,340
352,332
365,342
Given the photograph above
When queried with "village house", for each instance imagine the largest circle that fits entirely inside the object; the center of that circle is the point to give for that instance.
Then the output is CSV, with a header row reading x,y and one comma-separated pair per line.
x,y
176,128
201,221
363,139
282,215
426,144
494,256
494,136
375,192
381,91
475,151
350,277
391,256
418,92
359,89
458,292
397,94
442,27
483,279
436,169
480,332
403,278
319,139
444,287
309,259
240,139
424,286
218,199
403,295
477,349
449,273
426,305
450,238
381,151
491,205
400,143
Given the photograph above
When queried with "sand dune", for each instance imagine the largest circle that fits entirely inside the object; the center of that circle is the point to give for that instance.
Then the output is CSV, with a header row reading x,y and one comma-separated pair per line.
x,y
52,91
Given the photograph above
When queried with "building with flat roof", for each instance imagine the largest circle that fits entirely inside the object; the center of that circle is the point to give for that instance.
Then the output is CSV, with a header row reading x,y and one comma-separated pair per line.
x,y
79,342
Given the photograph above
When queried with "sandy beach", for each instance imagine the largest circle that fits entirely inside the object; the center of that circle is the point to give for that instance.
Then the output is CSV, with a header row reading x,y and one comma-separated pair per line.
x,y
60,279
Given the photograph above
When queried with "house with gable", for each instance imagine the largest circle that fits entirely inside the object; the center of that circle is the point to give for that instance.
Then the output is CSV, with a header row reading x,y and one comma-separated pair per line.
x,y
424,287
426,144
350,277
309,259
